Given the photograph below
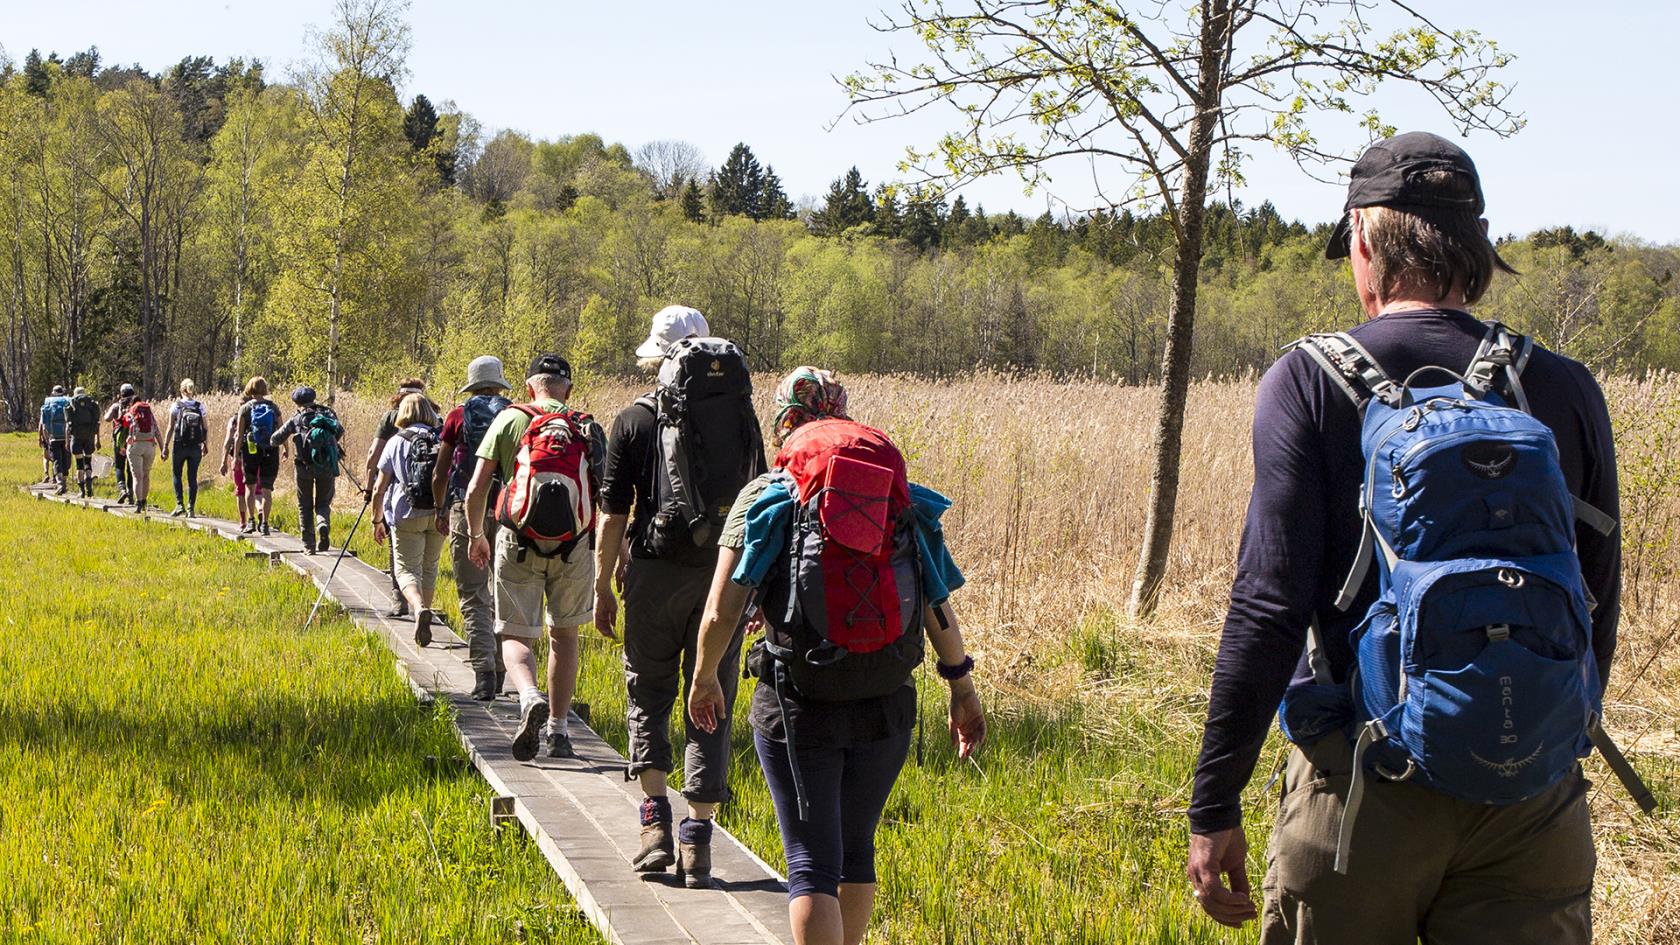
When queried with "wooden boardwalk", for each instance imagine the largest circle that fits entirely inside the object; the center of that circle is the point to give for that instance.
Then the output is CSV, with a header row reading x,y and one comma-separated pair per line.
x,y
581,812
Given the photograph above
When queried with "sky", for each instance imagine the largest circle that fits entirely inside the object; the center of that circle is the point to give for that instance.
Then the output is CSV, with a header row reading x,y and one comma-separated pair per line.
x,y
1594,81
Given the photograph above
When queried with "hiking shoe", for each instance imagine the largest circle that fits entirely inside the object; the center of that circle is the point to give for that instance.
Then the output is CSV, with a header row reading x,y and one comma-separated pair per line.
x,y
694,853
399,611
63,489
179,511
557,744
423,628
485,688
265,526
531,720
657,853
249,529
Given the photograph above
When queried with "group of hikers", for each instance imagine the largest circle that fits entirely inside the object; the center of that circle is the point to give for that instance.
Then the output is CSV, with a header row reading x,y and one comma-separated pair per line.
x,y
70,428
1426,593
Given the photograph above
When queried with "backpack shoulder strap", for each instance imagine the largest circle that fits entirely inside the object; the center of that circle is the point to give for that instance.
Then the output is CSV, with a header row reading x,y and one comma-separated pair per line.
x,y
1500,358
1351,367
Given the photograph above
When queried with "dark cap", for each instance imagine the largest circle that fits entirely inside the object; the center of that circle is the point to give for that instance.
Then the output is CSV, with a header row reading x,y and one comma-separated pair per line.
x,y
550,364
303,396
1390,174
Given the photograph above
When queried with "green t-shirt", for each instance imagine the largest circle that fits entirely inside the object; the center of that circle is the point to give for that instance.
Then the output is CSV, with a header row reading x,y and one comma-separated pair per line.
x,y
501,440
734,533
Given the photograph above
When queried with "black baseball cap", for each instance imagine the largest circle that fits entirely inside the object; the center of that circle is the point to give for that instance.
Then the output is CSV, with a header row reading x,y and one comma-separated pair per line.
x,y
550,364
1390,174
303,396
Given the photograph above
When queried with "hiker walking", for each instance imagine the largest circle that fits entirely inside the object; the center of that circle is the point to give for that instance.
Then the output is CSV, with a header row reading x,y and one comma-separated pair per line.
x,y
835,706
669,499
382,435
54,432
84,438
463,431
403,492
314,438
549,457
1438,701
232,457
258,419
186,437
114,415
140,425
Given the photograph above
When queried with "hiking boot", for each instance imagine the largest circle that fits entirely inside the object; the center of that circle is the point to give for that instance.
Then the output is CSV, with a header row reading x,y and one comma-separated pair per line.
x,y
321,541
694,853
399,611
501,682
180,510
265,526
558,744
485,688
62,489
423,628
531,720
657,853
249,528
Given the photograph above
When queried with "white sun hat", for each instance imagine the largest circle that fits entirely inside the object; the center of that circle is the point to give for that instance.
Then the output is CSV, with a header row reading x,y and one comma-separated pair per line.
x,y
671,324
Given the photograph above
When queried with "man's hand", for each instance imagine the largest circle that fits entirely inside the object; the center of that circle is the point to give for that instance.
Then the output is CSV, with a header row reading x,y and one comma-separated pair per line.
x,y
478,551
622,568
606,610
1214,856
705,703
440,521
379,531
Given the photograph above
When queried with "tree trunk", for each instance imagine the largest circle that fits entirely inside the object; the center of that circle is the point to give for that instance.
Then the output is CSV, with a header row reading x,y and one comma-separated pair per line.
x,y
1181,318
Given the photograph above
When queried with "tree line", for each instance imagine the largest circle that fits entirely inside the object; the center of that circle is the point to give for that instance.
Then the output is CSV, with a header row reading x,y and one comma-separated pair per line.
x,y
208,221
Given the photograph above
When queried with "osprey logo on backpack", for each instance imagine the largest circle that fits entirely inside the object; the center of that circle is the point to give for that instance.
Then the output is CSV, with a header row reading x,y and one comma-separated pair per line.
x,y
1472,525
843,611
550,497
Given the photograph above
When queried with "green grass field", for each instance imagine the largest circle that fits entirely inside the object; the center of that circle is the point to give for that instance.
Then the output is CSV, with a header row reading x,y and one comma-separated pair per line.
x,y
180,762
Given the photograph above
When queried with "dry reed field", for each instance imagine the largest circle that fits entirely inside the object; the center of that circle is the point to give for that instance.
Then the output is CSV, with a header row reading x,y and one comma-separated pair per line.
x,y
1049,480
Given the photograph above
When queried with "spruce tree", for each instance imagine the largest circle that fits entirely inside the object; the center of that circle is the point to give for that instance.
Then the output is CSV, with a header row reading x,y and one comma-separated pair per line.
x,y
693,205
773,201
739,185
847,205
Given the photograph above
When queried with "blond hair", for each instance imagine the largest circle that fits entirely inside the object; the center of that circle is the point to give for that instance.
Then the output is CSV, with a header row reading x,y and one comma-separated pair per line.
x,y
415,408
188,388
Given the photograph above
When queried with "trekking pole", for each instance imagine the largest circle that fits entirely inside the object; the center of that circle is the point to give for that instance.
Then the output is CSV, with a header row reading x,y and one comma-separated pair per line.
x,y
367,500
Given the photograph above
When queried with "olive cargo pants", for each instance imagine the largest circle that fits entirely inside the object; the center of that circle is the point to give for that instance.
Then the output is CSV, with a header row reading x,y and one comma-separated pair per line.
x,y
1423,865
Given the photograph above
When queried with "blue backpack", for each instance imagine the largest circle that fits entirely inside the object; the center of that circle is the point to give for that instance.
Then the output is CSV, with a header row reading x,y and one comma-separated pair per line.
x,y
55,416
264,418
477,414
1474,671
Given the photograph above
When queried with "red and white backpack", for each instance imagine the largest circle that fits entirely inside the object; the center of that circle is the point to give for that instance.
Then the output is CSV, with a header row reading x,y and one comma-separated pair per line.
x,y
550,493
142,425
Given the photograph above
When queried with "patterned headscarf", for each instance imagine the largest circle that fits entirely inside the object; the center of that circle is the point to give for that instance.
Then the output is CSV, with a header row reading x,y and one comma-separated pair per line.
x,y
807,394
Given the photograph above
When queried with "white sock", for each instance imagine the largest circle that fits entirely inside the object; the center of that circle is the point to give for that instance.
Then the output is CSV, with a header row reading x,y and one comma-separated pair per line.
x,y
529,695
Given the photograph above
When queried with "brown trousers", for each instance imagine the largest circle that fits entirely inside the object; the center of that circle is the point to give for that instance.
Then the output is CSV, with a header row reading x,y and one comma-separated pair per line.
x,y
1424,866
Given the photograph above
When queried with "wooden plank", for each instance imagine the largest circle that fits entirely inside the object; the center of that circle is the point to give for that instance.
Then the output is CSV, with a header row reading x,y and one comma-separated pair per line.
x,y
581,812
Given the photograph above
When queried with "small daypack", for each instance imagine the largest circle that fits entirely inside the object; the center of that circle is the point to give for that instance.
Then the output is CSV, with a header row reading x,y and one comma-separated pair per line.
x,y
140,423
419,464
84,416
477,414
550,495
189,423
55,416
318,436
843,608
709,443
1474,671
264,419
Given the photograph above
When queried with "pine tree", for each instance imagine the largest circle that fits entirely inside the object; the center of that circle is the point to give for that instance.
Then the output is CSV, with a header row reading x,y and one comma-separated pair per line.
x,y
956,222
739,185
888,218
922,222
693,205
847,205
420,123
773,201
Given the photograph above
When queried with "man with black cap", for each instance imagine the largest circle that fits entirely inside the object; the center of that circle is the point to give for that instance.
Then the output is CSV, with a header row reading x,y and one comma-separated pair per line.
x,y
539,582
314,438
1422,863
463,430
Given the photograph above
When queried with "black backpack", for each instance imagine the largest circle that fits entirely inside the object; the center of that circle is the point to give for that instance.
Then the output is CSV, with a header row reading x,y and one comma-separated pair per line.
x,y
189,424
419,466
84,416
477,414
709,443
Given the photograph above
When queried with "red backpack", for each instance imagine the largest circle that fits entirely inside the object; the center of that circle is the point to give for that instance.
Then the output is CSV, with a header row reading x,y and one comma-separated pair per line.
x,y
139,421
550,494
844,607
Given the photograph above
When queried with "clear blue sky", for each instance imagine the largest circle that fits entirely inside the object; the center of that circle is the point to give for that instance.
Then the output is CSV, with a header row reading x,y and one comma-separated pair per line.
x,y
1594,79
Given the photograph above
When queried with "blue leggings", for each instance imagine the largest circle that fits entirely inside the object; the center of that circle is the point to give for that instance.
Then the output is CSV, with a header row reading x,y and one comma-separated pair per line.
x,y
846,789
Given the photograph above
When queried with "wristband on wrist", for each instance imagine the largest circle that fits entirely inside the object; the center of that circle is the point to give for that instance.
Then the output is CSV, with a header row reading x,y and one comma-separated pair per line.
x,y
954,673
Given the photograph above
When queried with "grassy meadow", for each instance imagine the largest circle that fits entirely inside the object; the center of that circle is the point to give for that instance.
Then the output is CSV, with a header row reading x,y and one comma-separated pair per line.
x,y
1069,828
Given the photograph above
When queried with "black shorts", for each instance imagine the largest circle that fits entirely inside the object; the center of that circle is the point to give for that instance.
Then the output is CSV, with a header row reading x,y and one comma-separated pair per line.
x,y
81,446
262,468
60,454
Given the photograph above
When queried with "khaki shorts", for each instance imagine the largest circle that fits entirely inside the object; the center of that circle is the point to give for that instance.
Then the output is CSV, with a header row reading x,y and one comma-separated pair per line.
x,y
529,590
418,545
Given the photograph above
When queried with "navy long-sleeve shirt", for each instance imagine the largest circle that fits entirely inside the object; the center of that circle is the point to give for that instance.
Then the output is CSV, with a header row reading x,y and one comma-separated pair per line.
x,y
1303,530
